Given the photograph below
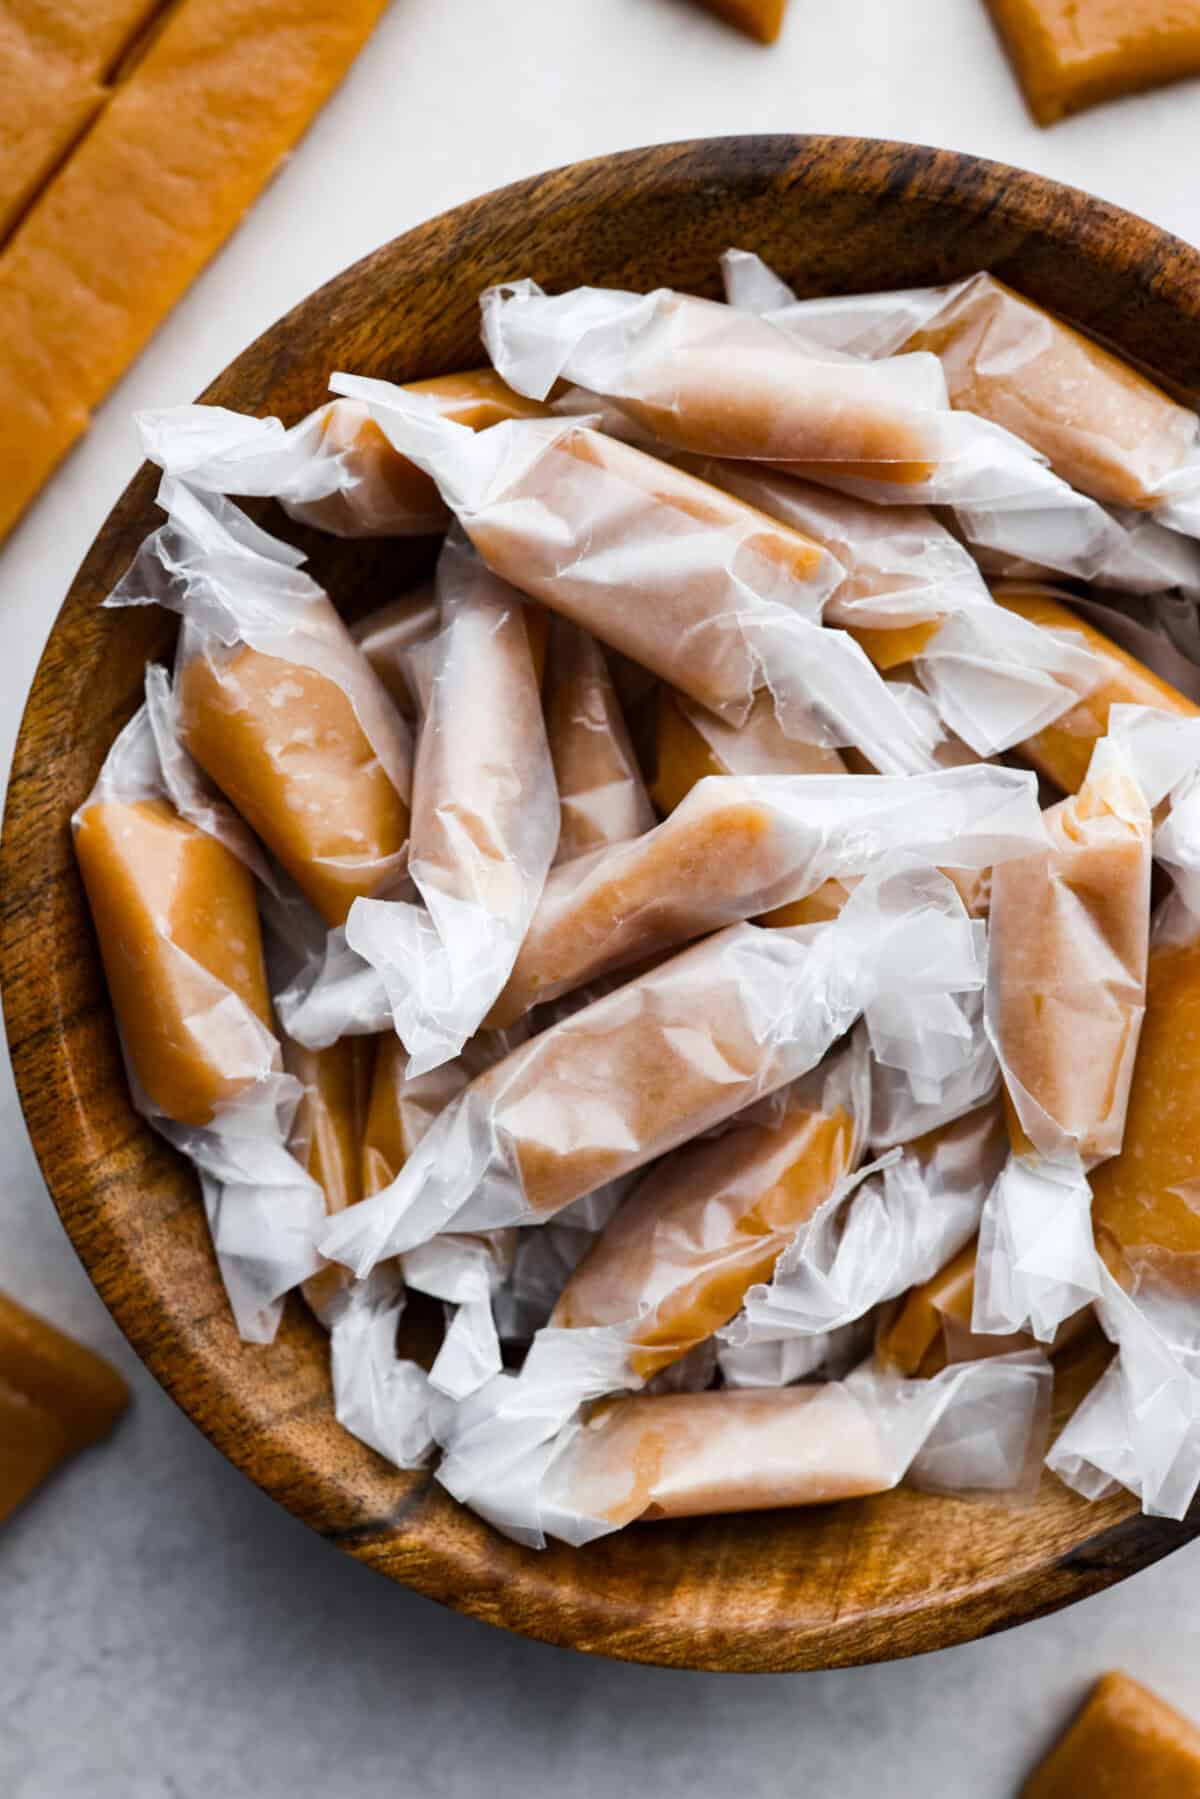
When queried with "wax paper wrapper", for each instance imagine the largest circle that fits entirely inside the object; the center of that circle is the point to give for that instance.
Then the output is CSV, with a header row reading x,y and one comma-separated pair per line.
x,y
880,1232
388,636
545,1257
485,821
904,1106
335,469
670,1053
465,1272
379,1397
827,1356
175,913
709,594
1065,1002
989,467
740,1450
276,701
600,787
737,847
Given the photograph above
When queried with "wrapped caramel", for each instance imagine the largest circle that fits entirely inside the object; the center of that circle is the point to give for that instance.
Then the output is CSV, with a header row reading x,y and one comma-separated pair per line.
x,y
387,636
600,787
335,469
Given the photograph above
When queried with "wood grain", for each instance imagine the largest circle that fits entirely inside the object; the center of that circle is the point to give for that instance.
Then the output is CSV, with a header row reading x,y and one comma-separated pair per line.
x,y
859,1582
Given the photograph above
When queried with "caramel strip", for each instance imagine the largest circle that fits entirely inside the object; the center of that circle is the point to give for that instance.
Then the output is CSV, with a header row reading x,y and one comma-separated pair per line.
x,y
1071,54
1125,1741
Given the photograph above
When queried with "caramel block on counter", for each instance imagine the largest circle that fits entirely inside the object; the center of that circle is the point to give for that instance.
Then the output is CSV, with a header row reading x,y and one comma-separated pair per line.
x,y
284,744
56,1397
56,62
1063,750
150,193
686,1455
390,495
1143,1202
600,788
677,1258
1126,1743
1071,54
1102,426
760,19
177,919
691,744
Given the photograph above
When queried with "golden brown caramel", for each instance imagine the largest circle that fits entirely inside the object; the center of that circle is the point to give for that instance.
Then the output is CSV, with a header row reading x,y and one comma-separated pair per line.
x,y
386,637
760,19
177,921
600,786
690,745
1071,54
328,1134
1126,1743
56,1397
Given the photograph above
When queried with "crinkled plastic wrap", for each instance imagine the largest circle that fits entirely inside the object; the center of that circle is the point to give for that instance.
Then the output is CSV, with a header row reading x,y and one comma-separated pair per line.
x,y
693,1454
669,1054
600,787
379,1397
175,914
691,742
739,846
1008,503
879,1233
913,591
335,469
710,595
485,821
276,702
1065,1001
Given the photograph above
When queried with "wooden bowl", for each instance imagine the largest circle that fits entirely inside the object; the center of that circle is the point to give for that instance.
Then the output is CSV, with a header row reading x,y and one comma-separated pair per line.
x,y
856,1582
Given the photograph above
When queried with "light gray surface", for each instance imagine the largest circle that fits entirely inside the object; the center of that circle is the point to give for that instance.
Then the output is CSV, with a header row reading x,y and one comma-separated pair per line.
x,y
166,1632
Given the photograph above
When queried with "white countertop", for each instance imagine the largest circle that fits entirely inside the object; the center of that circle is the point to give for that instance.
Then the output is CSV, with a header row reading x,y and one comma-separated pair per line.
x,y
165,1631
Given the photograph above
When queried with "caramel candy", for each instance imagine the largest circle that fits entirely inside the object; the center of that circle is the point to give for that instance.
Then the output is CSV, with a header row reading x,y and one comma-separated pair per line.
x,y
760,19
684,1455
402,1110
1071,54
284,743
1143,1208
327,1134
691,743
119,231
1126,1743
1063,750
56,1397
1067,967
687,627
390,495
1103,427
385,638
178,926
600,787
675,1261
931,1326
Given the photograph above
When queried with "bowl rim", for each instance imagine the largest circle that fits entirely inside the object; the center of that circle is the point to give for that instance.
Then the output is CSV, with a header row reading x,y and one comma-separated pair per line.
x,y
1069,220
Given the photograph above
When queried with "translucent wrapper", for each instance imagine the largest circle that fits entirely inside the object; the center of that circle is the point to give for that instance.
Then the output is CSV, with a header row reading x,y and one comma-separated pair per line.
x,y
545,1257
380,1399
275,700
904,1106
684,1455
712,596
709,378
1008,503
740,846
827,1356
669,1054
878,1233
710,1220
175,914
913,591
334,994
335,469
691,742
600,787
1065,1002
327,1137
1100,424
388,636
485,821
464,1272
1062,751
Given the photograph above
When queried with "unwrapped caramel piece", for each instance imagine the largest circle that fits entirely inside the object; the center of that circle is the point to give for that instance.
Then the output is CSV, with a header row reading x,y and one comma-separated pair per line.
x,y
1063,750
761,19
1071,54
1102,426
176,916
1126,1743
283,743
1144,1204
683,1455
149,193
677,1258
56,1397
